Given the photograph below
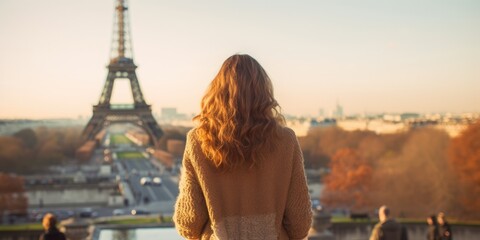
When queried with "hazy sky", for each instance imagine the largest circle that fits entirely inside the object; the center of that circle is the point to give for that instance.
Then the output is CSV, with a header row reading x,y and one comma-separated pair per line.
x,y
371,56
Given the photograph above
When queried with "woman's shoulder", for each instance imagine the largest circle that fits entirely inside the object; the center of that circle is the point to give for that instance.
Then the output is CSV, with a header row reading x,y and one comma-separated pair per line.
x,y
192,134
287,133
193,140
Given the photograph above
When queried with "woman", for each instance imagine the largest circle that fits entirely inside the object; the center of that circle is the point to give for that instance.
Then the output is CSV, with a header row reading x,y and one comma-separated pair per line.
x,y
432,232
242,175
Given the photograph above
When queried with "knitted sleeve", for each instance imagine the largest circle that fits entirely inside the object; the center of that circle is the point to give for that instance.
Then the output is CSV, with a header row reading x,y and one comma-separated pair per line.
x,y
191,213
297,218
376,232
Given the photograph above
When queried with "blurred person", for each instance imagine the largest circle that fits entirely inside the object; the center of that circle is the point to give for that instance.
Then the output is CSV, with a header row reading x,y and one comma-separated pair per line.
x,y
388,228
243,174
49,224
432,232
444,229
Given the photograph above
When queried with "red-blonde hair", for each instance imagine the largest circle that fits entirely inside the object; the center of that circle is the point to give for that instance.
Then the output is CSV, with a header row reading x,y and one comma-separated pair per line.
x,y
49,221
239,116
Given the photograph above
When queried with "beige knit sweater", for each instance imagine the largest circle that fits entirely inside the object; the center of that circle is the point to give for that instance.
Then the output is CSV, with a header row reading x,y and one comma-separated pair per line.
x,y
269,201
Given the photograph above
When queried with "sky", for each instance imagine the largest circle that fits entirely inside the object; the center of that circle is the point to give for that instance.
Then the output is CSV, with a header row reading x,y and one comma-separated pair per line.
x,y
368,56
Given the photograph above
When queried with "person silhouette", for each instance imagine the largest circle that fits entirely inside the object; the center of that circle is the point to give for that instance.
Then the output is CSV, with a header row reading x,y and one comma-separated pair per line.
x,y
243,172
444,229
432,232
49,224
387,228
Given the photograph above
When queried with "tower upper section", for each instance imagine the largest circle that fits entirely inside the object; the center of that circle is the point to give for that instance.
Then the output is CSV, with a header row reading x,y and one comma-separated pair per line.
x,y
121,51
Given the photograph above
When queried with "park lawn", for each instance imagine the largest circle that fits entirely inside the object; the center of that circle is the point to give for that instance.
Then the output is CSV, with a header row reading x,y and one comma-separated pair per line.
x,y
21,227
119,139
130,155
139,221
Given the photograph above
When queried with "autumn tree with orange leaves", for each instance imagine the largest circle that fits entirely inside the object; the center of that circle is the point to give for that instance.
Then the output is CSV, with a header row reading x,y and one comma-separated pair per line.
x,y
464,158
12,195
348,182
407,171
416,181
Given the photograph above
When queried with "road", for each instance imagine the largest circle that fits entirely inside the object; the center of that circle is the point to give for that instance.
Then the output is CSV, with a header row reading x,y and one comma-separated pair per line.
x,y
131,170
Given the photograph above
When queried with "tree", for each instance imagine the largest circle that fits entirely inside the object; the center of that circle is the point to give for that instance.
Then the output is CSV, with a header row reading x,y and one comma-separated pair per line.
x,y
12,195
13,155
464,158
407,171
348,183
28,137
32,151
416,181
172,133
321,144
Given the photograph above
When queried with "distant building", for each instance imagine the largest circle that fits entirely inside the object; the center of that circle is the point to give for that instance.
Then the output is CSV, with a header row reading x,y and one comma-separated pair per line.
x,y
302,125
392,118
338,112
169,113
71,190
326,122
321,112
407,116
400,117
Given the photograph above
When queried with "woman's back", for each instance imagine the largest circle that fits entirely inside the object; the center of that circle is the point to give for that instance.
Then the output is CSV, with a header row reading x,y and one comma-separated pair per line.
x,y
267,201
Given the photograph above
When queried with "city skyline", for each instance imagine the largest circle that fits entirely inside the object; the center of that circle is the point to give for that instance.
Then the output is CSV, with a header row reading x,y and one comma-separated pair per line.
x,y
374,56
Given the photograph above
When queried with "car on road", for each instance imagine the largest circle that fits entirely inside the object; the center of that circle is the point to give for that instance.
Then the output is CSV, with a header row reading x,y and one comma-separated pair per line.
x,y
157,181
316,204
145,181
136,212
118,212
87,213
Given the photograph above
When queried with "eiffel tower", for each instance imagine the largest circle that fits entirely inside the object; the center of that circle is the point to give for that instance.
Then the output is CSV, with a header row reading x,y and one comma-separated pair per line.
x,y
121,66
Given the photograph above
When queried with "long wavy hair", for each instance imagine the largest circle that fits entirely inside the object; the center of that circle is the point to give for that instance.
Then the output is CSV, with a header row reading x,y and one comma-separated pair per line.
x,y
239,116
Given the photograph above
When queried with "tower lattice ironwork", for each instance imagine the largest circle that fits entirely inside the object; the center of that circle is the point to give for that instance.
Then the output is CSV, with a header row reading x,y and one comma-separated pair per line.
x,y
121,66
